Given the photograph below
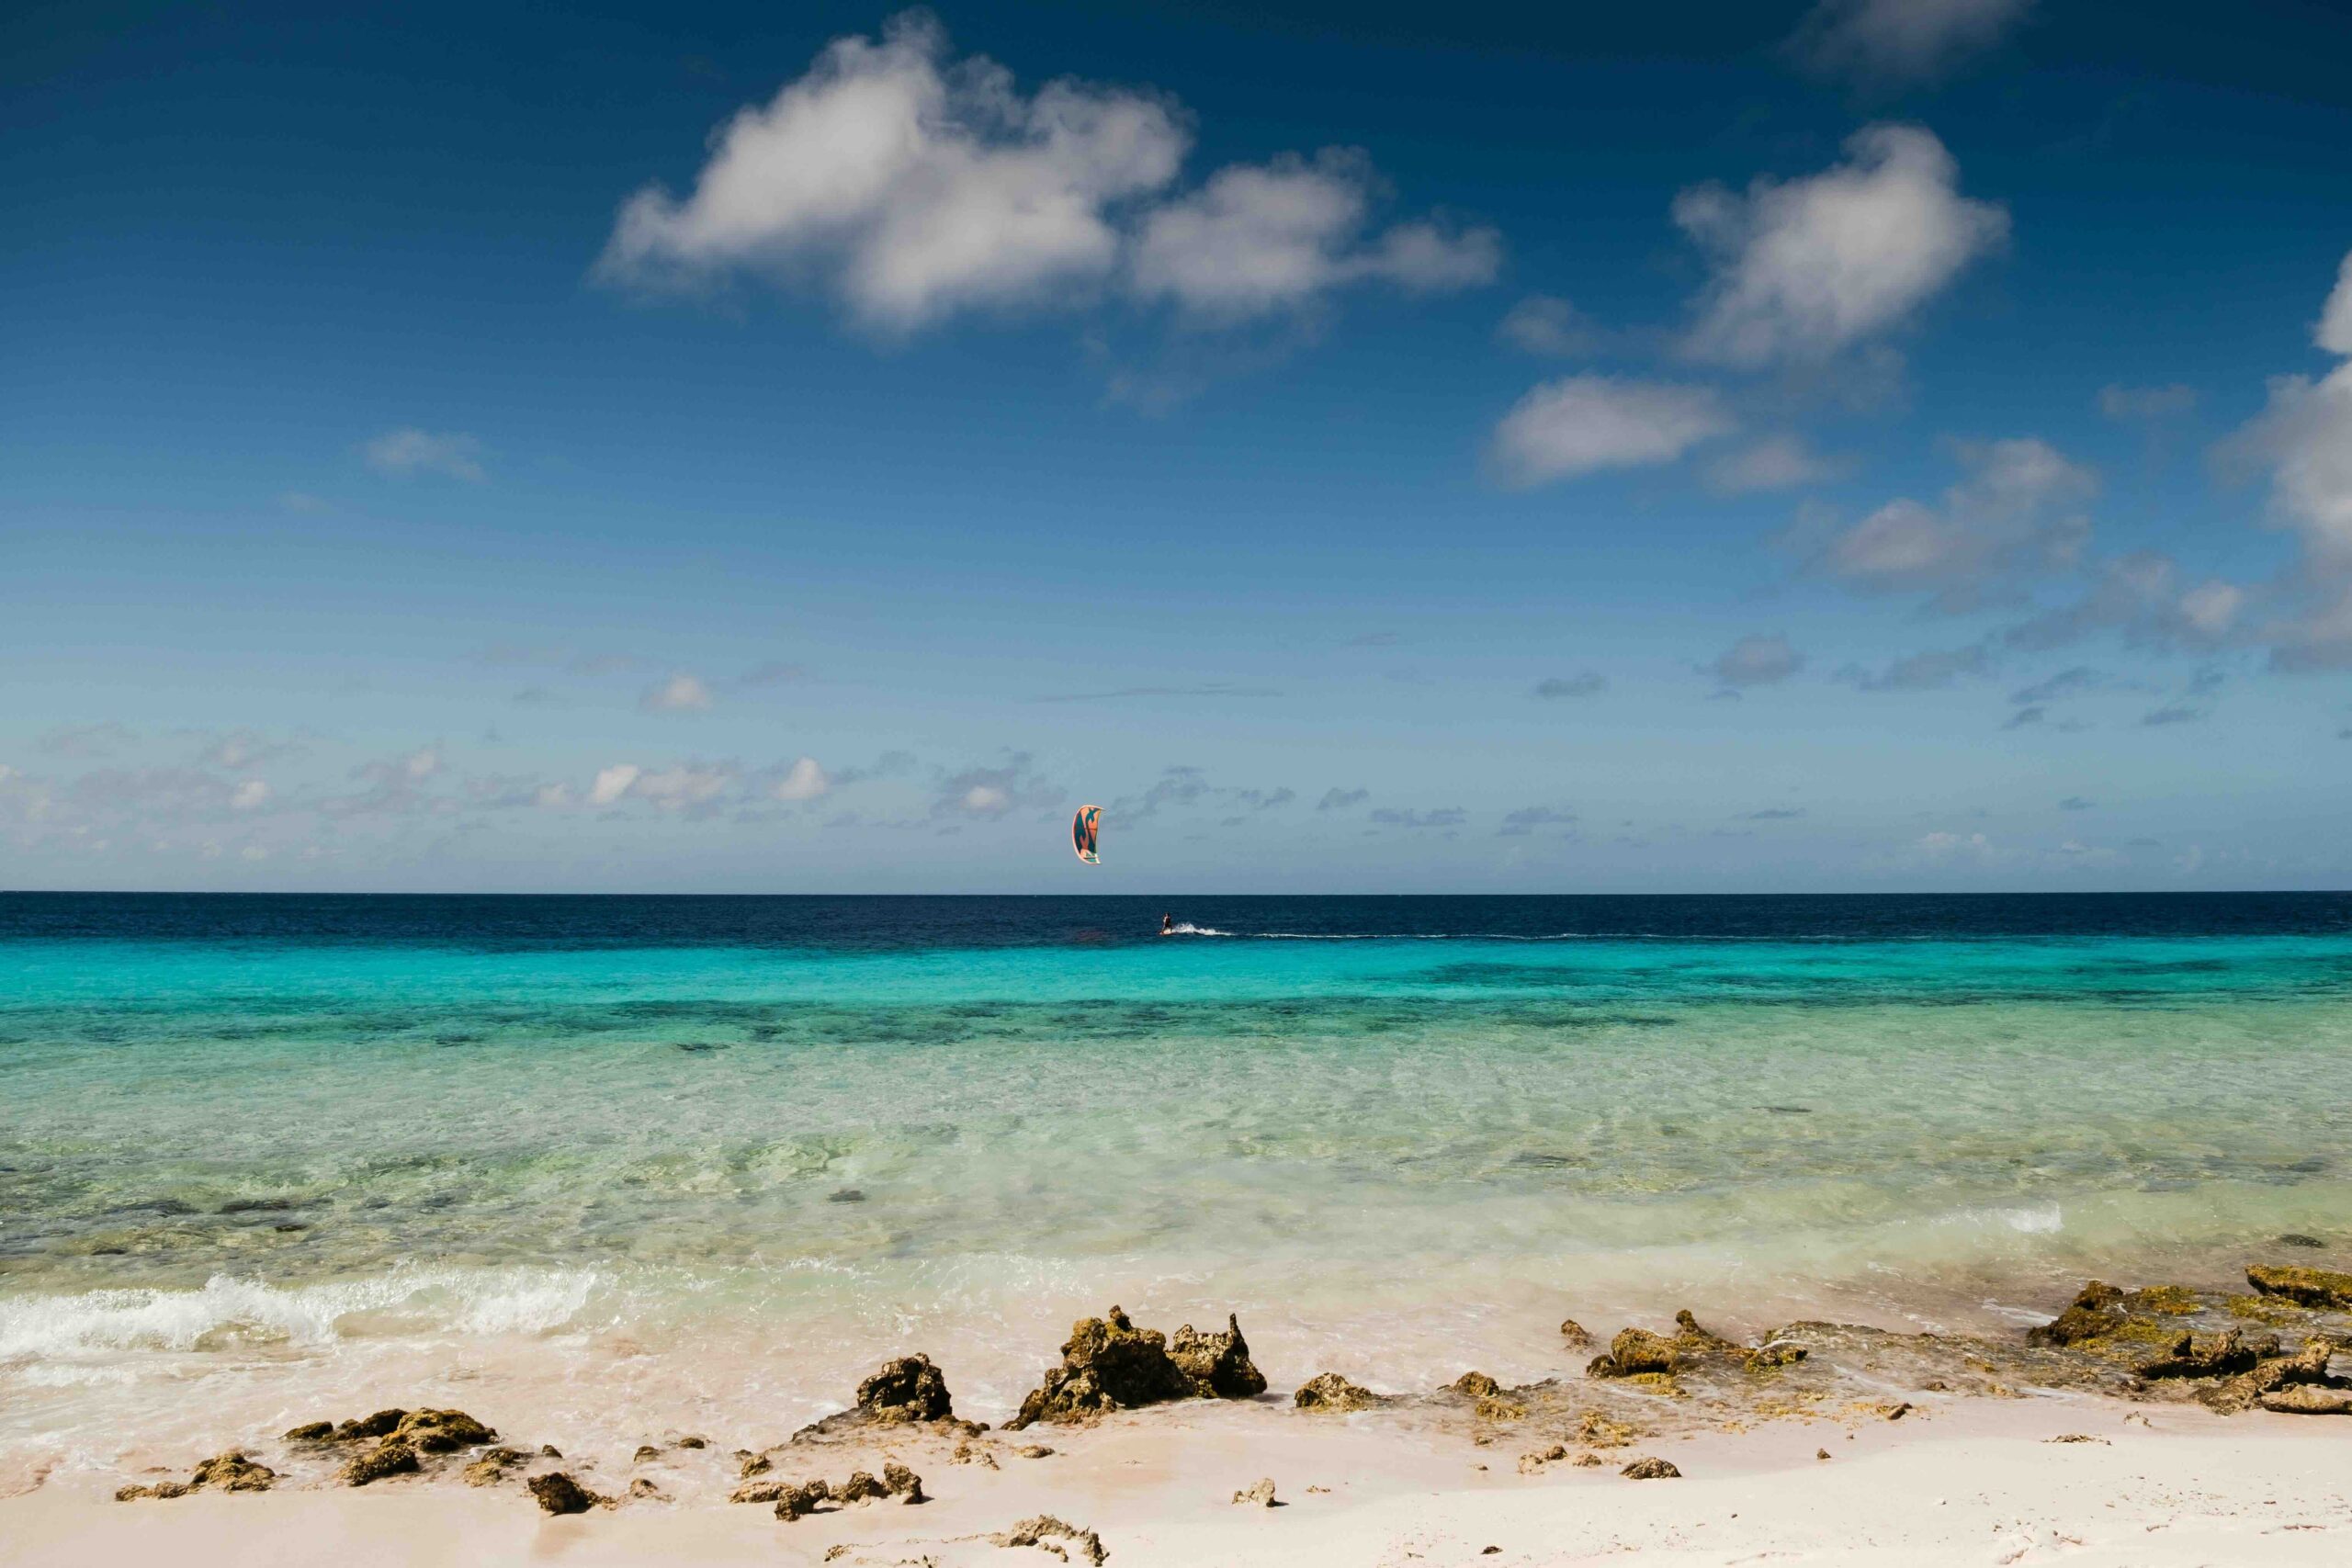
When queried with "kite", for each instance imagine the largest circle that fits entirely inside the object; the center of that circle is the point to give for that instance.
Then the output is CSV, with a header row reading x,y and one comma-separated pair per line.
x,y
1082,829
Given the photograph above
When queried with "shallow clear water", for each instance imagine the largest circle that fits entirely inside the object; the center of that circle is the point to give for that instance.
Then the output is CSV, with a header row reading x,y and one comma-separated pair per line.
x,y
621,1165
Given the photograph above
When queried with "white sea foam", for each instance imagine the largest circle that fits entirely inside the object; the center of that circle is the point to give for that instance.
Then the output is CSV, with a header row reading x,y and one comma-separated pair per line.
x,y
229,1310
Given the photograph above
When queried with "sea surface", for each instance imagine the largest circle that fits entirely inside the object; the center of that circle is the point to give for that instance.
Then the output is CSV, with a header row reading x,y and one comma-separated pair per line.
x,y
608,1168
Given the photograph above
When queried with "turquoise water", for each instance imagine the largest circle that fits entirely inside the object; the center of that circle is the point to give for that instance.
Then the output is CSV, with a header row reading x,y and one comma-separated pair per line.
x,y
637,1184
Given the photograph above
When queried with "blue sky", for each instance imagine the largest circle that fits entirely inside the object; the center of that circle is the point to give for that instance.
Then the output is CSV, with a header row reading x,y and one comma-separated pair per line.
x,y
1864,445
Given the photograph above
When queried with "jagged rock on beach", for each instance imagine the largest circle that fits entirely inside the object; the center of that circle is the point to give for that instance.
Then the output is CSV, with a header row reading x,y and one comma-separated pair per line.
x,y
439,1431
1033,1450
907,1389
2270,1374
2304,1287
312,1432
1260,1496
385,1458
2210,1356
1636,1352
1586,1461
903,1484
1534,1463
1575,1333
1044,1529
754,1464
558,1494
2072,1438
1217,1362
1109,1364
1650,1469
860,1487
229,1472
972,1453
1330,1391
2091,1315
380,1425
642,1486
2308,1399
1478,1385
645,1451
490,1467
691,1441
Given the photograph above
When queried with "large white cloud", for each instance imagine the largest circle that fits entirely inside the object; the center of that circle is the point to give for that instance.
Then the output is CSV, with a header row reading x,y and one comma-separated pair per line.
x,y
913,185
1265,237
1582,424
1805,267
1888,42
910,183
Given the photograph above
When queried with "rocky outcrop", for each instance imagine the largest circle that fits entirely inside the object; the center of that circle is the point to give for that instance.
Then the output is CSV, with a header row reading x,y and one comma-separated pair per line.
x,y
439,1431
1477,1385
1217,1364
2210,1356
2304,1287
557,1492
1260,1495
2270,1374
492,1465
1044,1528
2091,1315
1331,1393
1109,1364
230,1471
1636,1352
1573,1332
385,1458
1650,1469
2308,1399
908,1388
794,1499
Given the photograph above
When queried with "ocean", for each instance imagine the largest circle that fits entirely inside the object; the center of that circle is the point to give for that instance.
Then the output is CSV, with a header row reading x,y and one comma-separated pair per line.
x,y
611,1166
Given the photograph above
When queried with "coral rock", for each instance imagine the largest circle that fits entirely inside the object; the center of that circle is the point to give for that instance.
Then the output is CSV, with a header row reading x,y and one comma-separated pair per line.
x,y
1329,1391
491,1468
2304,1287
1217,1364
1575,1333
1261,1496
559,1494
909,1389
2092,1316
439,1431
2309,1399
385,1458
1045,1526
1478,1385
312,1432
1109,1364
904,1483
860,1487
1650,1469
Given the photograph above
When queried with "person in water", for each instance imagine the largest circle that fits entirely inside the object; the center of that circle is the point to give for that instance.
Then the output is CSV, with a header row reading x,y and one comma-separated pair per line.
x,y
1166,925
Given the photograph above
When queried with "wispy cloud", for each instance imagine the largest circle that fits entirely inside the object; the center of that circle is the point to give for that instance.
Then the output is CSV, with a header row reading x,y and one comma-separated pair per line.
x,y
408,451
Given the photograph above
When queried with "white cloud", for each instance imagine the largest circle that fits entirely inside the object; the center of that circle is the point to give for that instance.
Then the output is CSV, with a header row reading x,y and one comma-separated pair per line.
x,y
613,783
1777,462
986,800
688,786
803,781
2116,402
2211,608
553,797
681,692
2303,439
2335,331
1266,237
1946,846
912,184
1757,660
1889,42
1544,323
993,792
2012,515
1805,267
409,450
249,795
421,764
1582,424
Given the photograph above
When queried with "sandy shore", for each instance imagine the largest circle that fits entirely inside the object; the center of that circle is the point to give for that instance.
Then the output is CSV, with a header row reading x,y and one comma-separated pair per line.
x,y
1956,1480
